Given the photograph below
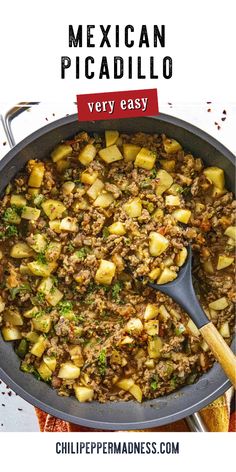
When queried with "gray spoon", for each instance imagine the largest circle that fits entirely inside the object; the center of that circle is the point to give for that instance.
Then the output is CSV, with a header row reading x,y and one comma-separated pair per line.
x,y
181,291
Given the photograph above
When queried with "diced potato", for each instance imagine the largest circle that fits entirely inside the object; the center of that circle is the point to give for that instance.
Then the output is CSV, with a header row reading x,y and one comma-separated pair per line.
x,y
224,330
157,243
182,215
164,181
175,189
53,251
231,232
158,214
2,305
166,276
110,154
13,317
83,394
42,270
55,225
218,192
136,391
154,274
133,208
53,208
216,176
30,213
199,207
54,296
33,191
38,243
68,187
62,165
168,262
31,312
45,286
11,216
95,189
36,175
152,327
80,204
117,228
24,270
105,272
224,261
126,340
69,224
50,362
87,154
164,314
193,328
42,323
69,371
61,152
154,347
151,311
171,146
44,371
88,178
172,200
18,200
134,326
130,151
32,337
76,356
168,164
181,257
21,250
104,200
11,334
219,304
145,159
208,267
111,137
117,358
125,384
39,347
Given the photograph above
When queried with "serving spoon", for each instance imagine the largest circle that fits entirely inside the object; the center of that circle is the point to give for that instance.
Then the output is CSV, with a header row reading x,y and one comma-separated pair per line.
x,y
181,290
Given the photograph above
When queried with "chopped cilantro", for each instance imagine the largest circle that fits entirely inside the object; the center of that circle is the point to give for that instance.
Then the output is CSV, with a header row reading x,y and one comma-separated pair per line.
x,y
41,258
154,384
102,362
11,230
65,307
11,215
153,172
105,232
22,288
70,247
116,289
38,299
179,329
82,253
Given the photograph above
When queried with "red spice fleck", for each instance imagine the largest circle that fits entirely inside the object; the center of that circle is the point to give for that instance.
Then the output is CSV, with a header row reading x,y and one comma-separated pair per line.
x,y
218,127
224,112
209,103
216,123
209,109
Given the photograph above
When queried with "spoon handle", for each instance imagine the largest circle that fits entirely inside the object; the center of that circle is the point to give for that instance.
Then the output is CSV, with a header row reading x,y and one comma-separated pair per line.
x,y
220,350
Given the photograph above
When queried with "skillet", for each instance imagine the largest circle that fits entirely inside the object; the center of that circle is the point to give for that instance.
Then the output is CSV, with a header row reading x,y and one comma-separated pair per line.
x,y
119,415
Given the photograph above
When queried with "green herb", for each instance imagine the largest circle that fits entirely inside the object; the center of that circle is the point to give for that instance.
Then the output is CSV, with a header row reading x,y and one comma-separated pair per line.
x,y
11,230
70,247
153,172
39,298
186,191
11,215
105,232
38,200
41,258
116,289
154,385
82,253
146,183
174,381
65,307
2,235
102,362
179,330
22,288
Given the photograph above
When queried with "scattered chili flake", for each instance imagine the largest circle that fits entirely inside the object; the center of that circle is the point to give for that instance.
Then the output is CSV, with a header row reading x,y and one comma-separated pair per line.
x,y
9,393
53,114
3,404
20,409
208,103
3,393
4,143
218,127
46,119
216,123
209,109
224,112
223,119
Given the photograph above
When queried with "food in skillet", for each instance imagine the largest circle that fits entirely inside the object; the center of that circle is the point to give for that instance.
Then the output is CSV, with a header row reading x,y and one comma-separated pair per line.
x,y
75,227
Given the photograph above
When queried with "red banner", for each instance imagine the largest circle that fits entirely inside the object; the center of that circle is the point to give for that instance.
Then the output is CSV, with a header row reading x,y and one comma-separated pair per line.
x,y
111,105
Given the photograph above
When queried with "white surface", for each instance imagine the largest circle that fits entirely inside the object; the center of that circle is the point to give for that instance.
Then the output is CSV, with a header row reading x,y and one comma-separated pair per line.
x,y
11,419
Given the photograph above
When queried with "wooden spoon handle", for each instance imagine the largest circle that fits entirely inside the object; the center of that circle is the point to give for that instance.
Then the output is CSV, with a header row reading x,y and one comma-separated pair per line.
x,y
221,350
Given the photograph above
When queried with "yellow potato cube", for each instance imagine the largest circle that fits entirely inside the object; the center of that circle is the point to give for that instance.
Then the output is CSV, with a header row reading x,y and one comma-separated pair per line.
x,y
231,232
69,371
134,326
69,224
183,216
68,187
154,274
11,334
126,340
42,270
87,154
145,159
95,189
111,137
44,371
88,178
157,243
21,250
54,296
60,152
193,328
39,347
152,327
105,272
53,208
133,207
151,311
168,164
154,347
175,189
38,242
136,391
172,200
55,226
130,151
216,176
219,304
104,200
33,191
208,267
30,213
83,394
165,180
158,214
171,146
62,165
125,384
36,175
117,228
224,261
218,192
224,330
13,317
18,200
181,257
110,154
166,276
42,323
53,251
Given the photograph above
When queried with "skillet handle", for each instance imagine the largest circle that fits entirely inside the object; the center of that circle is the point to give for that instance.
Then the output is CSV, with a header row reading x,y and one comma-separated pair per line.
x,y
196,423
221,350
9,117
